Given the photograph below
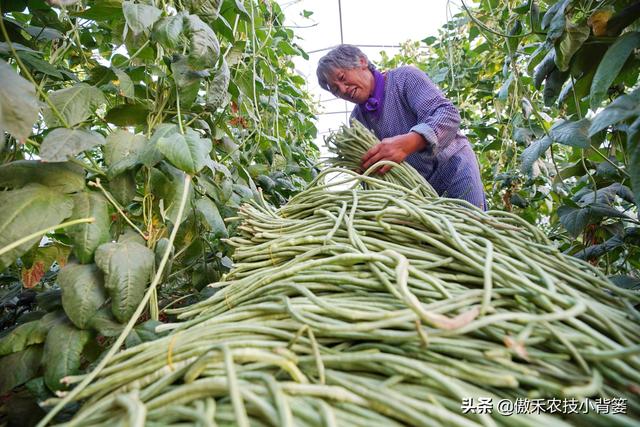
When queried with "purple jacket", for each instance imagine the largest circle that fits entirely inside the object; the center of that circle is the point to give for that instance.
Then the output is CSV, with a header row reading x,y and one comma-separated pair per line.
x,y
412,102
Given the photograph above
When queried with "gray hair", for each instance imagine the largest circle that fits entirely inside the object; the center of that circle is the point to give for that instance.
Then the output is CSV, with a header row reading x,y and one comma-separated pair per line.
x,y
344,56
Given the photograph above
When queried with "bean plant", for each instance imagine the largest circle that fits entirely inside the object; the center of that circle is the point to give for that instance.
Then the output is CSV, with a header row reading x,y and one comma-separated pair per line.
x,y
122,122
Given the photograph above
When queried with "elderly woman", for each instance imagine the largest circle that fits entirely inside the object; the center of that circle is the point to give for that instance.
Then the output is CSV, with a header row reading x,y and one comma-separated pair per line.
x,y
411,117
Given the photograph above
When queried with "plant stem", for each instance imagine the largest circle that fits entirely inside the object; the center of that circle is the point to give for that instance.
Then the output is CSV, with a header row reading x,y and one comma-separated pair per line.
x,y
109,197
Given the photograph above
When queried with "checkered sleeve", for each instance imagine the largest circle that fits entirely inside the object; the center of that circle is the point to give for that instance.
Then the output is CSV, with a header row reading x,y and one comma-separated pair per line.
x,y
438,120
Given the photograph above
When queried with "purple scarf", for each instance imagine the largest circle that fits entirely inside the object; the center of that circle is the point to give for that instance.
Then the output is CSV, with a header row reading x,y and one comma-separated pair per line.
x,y
373,104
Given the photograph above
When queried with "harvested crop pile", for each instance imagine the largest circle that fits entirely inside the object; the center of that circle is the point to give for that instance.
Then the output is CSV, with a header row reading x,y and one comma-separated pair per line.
x,y
383,306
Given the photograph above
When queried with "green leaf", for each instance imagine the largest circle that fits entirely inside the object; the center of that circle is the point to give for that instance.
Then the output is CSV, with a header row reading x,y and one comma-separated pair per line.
x,y
187,80
205,48
125,84
19,105
88,236
553,86
575,219
168,29
625,282
128,115
62,351
22,336
210,216
622,108
218,91
124,187
555,20
127,267
544,68
167,185
188,152
574,134
27,210
122,151
37,64
76,104
533,152
105,10
122,145
242,10
569,43
106,325
83,292
62,177
143,333
18,368
596,251
611,65
64,144
207,9
140,17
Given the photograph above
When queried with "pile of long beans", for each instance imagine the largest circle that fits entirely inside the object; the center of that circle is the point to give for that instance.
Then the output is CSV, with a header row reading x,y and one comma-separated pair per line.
x,y
381,305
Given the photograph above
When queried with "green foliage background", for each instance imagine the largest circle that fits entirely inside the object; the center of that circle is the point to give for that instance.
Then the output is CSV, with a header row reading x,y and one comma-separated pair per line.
x,y
548,91
108,106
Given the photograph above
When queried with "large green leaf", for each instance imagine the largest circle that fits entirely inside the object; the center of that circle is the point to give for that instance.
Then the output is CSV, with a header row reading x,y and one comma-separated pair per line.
x,y
62,177
23,336
122,151
76,104
569,43
553,86
128,115
622,108
168,29
533,152
140,17
187,80
574,134
207,9
218,91
188,152
19,105
143,333
62,353
167,185
88,236
20,367
575,219
205,47
83,292
127,266
544,68
611,65
124,187
104,322
208,211
38,65
27,210
64,144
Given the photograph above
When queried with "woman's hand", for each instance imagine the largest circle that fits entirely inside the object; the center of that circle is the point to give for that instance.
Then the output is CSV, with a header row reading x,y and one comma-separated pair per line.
x,y
395,149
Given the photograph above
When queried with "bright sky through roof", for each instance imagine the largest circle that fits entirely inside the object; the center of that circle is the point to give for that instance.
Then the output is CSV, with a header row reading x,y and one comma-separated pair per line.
x,y
364,22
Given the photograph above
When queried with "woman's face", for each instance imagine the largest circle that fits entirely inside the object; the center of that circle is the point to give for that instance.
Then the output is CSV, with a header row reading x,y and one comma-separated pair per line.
x,y
353,84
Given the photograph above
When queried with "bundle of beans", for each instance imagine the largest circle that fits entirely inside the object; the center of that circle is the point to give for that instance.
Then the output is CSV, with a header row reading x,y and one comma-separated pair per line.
x,y
351,143
381,306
